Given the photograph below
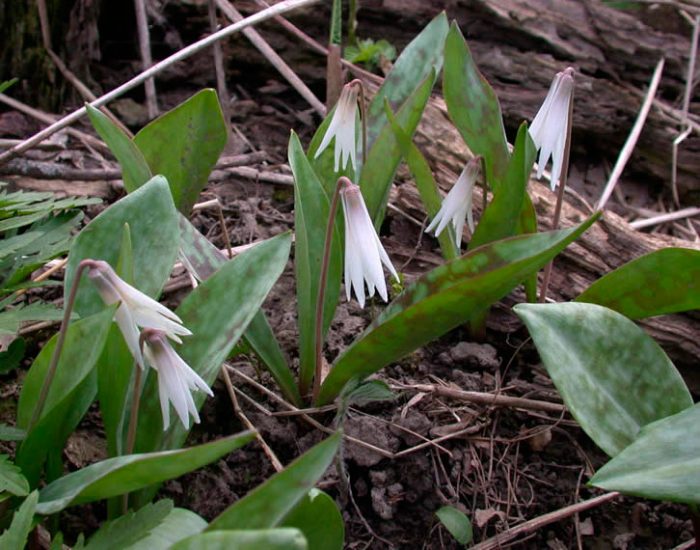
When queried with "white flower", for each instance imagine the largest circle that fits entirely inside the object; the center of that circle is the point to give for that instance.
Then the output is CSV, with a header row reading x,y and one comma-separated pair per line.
x,y
176,379
342,127
549,128
458,203
135,309
364,253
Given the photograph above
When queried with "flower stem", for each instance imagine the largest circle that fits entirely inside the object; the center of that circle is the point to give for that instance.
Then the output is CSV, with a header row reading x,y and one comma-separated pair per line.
x,y
325,261
363,118
560,196
133,416
53,364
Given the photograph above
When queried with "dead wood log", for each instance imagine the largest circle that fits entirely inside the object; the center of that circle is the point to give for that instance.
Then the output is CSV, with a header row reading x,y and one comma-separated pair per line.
x,y
607,245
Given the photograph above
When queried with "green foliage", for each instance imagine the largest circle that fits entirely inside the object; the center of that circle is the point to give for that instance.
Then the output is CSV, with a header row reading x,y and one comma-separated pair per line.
x,y
311,211
663,281
16,535
612,376
318,518
457,523
11,479
11,318
254,539
443,299
124,474
269,504
662,463
178,525
184,145
370,53
474,108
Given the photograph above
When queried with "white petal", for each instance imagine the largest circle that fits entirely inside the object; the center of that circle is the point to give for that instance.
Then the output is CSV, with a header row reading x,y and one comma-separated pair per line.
x,y
130,332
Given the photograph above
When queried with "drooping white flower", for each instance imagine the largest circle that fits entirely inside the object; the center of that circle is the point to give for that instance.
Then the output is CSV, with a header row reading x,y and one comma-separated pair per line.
x,y
549,127
135,309
342,127
457,205
364,253
176,379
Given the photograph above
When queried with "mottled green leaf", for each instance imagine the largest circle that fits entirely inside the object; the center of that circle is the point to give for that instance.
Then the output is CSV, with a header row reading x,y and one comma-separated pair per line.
x,y
16,535
474,108
184,145
662,463
10,319
442,299
11,433
612,376
664,281
318,518
311,211
258,539
123,474
11,478
135,170
457,523
71,393
267,505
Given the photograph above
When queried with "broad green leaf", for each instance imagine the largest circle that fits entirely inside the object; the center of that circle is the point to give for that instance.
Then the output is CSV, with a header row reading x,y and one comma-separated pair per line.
x,y
130,528
178,525
11,358
443,299
384,157
500,219
6,84
612,376
474,108
367,392
318,518
71,393
217,312
267,539
11,478
662,463
16,535
124,474
311,211
135,170
203,260
184,145
457,523
267,505
11,433
423,55
425,182
664,281
153,222
10,319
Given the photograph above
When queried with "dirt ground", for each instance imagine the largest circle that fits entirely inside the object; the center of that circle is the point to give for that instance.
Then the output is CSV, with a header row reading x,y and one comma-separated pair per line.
x,y
501,466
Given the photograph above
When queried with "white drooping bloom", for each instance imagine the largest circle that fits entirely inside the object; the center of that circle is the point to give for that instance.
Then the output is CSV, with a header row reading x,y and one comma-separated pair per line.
x,y
457,205
342,127
176,379
550,126
135,309
364,253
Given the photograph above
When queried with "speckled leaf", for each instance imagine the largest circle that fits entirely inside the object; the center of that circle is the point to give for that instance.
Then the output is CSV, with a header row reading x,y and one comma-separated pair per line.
x,y
443,299
217,312
184,145
71,393
311,210
385,155
422,55
612,376
258,539
662,463
665,281
267,505
474,107
124,474
500,219
135,170
318,518
203,260
425,182
152,220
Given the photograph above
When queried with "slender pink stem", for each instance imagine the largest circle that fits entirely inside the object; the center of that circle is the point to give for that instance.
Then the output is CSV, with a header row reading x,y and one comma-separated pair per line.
x,y
323,283
363,117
